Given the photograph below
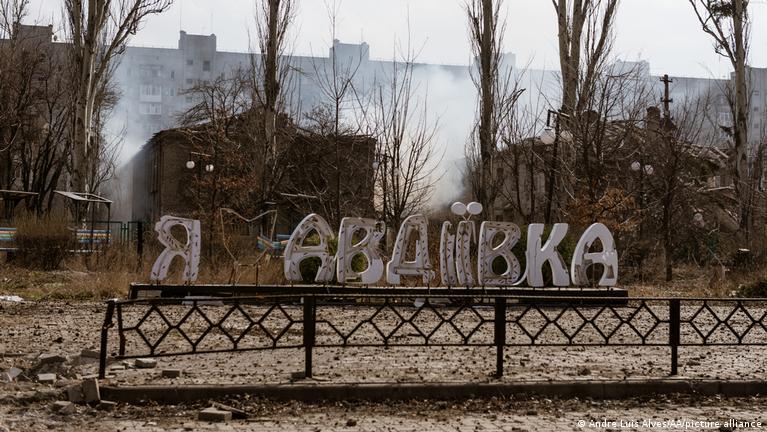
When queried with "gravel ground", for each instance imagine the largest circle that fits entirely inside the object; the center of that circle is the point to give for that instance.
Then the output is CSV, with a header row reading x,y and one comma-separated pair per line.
x,y
31,329
534,414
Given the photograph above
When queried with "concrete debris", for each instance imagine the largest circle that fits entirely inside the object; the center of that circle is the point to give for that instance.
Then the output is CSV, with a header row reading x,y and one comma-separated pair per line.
x,y
236,413
171,373
146,363
90,353
91,390
46,378
64,407
214,415
75,394
46,359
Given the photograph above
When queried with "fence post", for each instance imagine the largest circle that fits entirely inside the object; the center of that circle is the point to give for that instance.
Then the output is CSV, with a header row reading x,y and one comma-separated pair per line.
x,y
674,333
139,241
310,316
105,337
500,334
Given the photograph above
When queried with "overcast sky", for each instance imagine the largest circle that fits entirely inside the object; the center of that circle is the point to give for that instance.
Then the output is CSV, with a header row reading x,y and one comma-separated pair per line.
x,y
664,32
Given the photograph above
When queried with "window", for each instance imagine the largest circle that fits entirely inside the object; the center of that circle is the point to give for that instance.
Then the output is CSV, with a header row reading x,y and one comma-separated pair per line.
x,y
151,90
150,109
206,66
172,74
189,81
190,62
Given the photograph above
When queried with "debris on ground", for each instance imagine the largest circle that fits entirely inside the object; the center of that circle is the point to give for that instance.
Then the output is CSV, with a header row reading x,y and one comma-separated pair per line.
x,y
171,373
90,390
213,414
143,363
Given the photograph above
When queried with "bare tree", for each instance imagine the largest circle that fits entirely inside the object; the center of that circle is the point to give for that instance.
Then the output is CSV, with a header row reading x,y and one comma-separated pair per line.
x,y
493,82
727,23
406,159
220,125
585,40
522,163
99,30
338,114
270,82
34,108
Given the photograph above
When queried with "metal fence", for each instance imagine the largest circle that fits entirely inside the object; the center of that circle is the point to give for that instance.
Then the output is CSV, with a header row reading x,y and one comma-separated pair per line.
x,y
286,317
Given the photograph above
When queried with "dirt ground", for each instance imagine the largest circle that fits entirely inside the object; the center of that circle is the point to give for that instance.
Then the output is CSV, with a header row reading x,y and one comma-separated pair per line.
x,y
529,414
30,329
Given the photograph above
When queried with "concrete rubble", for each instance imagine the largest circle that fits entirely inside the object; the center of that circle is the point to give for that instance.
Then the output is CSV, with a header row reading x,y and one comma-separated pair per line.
x,y
171,373
64,407
91,392
46,378
213,414
143,363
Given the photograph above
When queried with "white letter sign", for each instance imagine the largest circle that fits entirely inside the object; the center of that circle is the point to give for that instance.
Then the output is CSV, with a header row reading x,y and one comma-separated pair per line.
x,y
488,253
189,252
538,255
421,266
583,259
367,246
296,251
447,256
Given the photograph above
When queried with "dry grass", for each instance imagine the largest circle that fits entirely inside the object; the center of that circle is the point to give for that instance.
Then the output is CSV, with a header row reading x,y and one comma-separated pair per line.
x,y
109,273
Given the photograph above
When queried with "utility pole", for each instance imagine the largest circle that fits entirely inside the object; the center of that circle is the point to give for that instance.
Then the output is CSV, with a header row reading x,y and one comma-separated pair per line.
x,y
666,99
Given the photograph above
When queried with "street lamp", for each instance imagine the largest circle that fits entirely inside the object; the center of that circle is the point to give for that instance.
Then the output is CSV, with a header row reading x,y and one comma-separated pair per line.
x,y
192,163
549,137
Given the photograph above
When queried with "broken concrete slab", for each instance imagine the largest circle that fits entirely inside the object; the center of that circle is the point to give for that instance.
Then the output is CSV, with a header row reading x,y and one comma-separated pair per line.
x,y
171,373
45,359
14,372
64,407
214,415
75,394
90,353
91,390
143,363
46,378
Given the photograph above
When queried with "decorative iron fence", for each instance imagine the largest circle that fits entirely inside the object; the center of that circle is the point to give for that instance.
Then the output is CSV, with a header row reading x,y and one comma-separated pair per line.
x,y
285,317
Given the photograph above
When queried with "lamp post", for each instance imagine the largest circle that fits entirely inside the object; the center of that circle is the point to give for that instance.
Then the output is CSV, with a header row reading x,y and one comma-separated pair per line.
x,y
195,160
550,138
643,169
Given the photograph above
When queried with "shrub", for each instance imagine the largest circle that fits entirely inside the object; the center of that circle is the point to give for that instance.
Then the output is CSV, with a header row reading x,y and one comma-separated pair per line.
x,y
757,289
42,242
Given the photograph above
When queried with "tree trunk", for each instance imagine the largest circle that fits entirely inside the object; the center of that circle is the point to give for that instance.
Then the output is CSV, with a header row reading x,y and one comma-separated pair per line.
x,y
486,143
83,120
667,240
740,135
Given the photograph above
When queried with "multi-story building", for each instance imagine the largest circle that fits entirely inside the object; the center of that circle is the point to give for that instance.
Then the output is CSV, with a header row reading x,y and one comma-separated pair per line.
x,y
154,84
